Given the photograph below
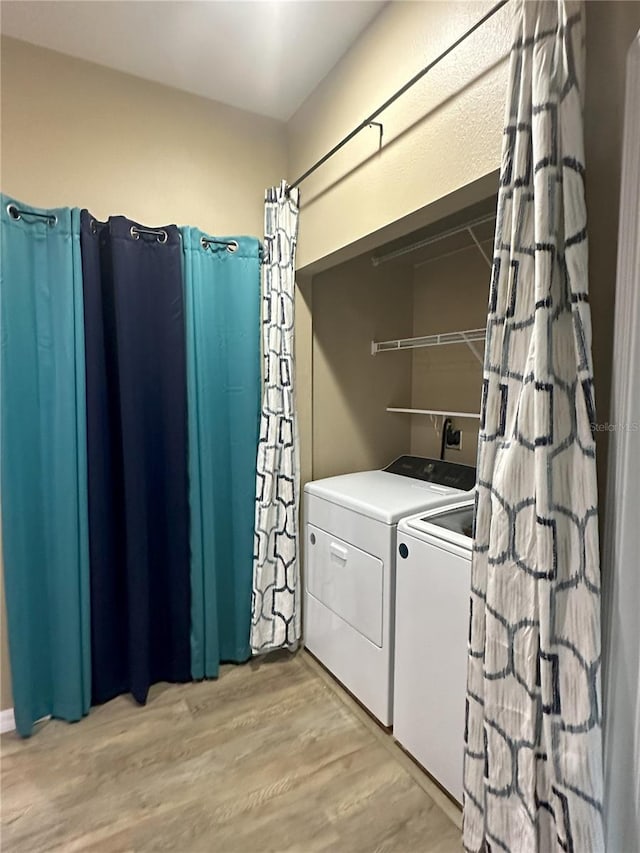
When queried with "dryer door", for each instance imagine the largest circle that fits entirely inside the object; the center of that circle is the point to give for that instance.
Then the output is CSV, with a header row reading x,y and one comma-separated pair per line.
x,y
347,580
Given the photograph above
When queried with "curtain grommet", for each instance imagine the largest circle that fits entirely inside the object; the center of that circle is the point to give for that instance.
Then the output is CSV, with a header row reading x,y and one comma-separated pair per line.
x,y
160,234
15,213
233,246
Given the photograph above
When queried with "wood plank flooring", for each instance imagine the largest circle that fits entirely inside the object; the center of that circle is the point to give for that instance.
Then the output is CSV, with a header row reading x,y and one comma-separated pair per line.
x,y
273,756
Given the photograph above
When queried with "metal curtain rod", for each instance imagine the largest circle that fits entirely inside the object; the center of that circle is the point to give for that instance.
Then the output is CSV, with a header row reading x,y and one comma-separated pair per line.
x,y
159,233
161,236
231,245
136,230
370,119
16,213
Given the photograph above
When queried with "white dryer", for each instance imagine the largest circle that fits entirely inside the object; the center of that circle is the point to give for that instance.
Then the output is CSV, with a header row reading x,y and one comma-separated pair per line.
x,y
433,584
350,547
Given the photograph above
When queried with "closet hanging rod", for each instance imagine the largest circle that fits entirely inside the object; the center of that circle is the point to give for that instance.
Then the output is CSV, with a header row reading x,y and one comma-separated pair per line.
x,y
374,115
16,213
376,260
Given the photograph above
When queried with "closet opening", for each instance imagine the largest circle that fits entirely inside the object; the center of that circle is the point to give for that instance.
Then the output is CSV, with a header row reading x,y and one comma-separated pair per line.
x,y
398,346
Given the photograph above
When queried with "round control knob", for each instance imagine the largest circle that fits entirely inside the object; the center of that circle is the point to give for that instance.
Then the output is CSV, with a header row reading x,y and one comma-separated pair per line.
x,y
404,551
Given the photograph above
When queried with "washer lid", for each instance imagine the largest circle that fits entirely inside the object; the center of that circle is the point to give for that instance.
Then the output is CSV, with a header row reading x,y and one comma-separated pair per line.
x,y
382,496
450,524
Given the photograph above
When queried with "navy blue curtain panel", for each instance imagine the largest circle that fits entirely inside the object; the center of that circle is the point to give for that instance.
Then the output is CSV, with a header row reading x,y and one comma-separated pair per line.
x,y
137,456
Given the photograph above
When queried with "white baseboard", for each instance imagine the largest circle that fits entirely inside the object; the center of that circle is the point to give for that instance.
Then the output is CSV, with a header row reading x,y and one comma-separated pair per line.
x,y
7,721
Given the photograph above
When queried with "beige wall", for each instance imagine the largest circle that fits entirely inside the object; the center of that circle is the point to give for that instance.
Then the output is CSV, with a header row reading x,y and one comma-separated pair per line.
x,y
304,372
77,134
611,27
354,304
419,294
450,294
443,134
440,152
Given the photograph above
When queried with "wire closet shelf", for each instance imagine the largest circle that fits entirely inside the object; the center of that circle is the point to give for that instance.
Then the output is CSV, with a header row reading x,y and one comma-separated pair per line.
x,y
468,337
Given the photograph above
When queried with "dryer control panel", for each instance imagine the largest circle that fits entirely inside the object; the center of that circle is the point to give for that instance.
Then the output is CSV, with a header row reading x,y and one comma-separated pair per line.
x,y
437,471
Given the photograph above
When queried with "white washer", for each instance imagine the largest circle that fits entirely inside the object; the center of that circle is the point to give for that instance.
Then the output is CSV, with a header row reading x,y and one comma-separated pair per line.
x,y
350,530
433,582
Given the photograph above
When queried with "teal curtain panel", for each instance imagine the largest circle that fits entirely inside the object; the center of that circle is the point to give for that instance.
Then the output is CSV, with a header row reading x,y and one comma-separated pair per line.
x,y
222,306
43,463
130,397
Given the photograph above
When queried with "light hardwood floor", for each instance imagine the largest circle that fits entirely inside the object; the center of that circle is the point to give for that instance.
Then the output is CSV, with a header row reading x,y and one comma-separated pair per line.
x,y
272,756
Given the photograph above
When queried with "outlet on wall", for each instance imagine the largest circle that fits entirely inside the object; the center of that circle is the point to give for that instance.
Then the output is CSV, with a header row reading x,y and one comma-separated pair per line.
x,y
453,439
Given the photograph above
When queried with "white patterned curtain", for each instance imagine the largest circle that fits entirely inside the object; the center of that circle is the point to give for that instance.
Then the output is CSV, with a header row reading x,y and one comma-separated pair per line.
x,y
533,762
275,620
